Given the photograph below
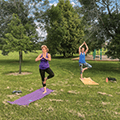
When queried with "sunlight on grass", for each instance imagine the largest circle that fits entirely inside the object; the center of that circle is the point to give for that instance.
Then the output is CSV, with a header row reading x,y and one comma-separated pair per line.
x,y
71,99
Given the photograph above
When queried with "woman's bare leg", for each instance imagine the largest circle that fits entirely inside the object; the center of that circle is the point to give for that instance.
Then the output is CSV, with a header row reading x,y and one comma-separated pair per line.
x,y
82,76
87,66
45,80
45,86
81,69
84,69
44,90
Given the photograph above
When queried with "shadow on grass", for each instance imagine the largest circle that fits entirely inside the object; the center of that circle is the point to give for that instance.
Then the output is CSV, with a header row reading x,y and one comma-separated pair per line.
x,y
68,64
14,62
62,57
99,66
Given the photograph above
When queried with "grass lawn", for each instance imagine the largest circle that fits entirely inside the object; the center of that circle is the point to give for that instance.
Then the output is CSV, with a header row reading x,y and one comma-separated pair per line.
x,y
82,102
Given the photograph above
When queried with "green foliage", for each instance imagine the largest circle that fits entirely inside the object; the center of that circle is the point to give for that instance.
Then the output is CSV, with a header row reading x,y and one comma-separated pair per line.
x,y
103,16
114,47
22,9
65,31
16,38
54,13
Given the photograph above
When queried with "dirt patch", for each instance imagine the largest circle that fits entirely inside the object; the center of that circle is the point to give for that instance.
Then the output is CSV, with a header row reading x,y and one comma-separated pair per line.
x,y
36,104
11,96
50,109
5,102
105,94
40,108
53,94
62,90
77,113
17,73
73,92
31,89
117,113
57,100
53,84
118,93
67,100
87,102
105,103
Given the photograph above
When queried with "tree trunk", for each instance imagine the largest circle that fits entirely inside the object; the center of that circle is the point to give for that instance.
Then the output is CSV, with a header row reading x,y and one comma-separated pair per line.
x,y
21,56
119,64
64,54
20,60
72,54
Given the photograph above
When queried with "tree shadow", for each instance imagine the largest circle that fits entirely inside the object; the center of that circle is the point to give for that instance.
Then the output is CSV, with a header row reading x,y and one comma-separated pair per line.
x,y
62,57
14,62
96,67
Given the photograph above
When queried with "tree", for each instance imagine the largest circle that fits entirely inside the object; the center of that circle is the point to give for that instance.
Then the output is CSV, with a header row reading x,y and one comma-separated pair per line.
x,y
65,31
22,9
114,48
104,18
16,39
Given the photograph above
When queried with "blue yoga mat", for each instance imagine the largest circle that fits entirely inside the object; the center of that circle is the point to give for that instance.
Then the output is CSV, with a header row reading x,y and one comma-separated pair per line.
x,y
27,99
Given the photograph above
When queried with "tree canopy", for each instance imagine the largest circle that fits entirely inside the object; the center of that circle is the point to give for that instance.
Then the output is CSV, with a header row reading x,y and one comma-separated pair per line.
x,y
16,38
103,17
22,9
65,30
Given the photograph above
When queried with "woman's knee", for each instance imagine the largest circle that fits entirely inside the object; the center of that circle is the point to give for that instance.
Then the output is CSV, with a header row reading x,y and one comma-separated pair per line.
x,y
43,84
52,75
90,66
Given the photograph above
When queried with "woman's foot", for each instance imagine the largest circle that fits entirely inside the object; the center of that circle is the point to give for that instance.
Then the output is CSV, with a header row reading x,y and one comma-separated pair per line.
x,y
44,92
82,78
45,80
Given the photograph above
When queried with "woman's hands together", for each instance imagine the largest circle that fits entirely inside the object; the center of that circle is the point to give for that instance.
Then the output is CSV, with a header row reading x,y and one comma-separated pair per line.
x,y
84,43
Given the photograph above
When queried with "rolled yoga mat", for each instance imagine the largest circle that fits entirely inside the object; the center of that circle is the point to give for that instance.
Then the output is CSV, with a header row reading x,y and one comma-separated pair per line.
x,y
27,99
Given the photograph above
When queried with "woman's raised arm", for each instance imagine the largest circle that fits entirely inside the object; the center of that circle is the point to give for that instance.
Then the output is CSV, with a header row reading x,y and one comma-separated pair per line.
x,y
86,47
80,48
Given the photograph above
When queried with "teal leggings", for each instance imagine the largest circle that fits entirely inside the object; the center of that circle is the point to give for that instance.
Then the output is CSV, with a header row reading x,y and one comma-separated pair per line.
x,y
85,64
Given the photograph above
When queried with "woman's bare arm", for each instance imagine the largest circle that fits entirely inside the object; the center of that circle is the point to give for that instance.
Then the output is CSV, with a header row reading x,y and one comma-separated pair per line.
x,y
86,49
80,48
49,57
38,58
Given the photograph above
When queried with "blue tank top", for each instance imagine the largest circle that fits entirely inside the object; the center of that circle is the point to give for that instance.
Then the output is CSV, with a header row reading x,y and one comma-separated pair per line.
x,y
82,58
44,64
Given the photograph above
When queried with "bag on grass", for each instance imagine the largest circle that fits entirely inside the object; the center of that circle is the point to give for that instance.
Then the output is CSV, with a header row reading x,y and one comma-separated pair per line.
x,y
112,79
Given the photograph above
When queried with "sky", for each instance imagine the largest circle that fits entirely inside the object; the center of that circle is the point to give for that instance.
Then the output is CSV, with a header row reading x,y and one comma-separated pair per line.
x,y
53,2
73,2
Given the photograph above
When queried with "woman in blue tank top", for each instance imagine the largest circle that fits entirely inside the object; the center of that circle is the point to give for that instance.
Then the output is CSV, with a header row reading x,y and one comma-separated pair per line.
x,y
44,65
82,61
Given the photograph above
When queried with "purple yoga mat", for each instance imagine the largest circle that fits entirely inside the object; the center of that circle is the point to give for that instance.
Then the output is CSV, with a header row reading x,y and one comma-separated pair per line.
x,y
27,99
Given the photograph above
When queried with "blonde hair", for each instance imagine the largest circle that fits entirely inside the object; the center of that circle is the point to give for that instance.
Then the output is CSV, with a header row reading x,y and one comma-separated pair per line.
x,y
44,46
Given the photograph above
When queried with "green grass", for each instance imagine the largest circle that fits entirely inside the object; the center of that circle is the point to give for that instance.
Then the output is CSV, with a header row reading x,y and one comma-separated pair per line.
x,y
83,104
